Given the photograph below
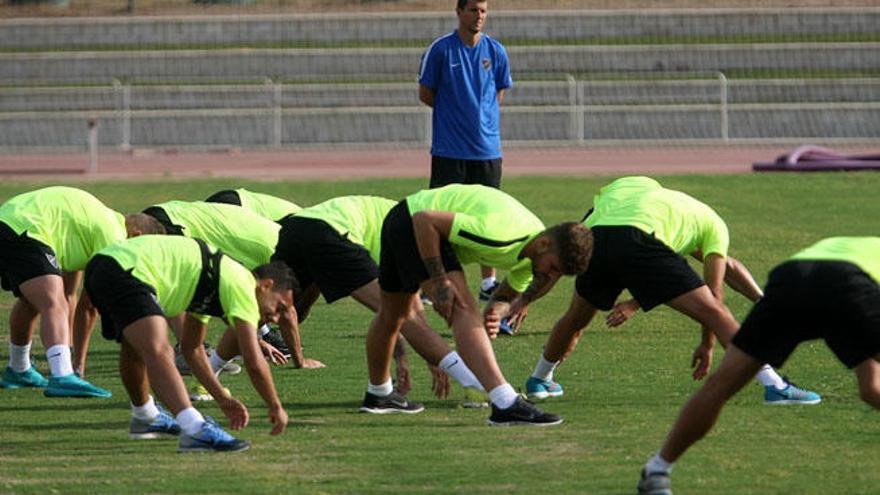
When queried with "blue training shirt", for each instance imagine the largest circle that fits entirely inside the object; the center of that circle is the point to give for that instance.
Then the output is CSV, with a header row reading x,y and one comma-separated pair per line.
x,y
465,81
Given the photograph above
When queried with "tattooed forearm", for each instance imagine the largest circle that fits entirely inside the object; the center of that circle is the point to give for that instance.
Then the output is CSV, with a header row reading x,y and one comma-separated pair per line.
x,y
539,282
434,266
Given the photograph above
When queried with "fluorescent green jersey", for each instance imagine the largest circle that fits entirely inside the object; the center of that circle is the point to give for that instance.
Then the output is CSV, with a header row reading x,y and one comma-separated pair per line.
x,y
172,266
267,206
242,234
490,227
72,222
863,252
357,217
674,218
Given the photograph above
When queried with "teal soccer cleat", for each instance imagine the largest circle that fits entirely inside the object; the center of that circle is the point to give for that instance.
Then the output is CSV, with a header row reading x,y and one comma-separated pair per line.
x,y
25,379
542,389
791,394
73,386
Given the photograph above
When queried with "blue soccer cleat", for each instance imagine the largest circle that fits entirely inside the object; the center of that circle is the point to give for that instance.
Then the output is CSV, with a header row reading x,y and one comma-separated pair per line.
x,y
542,389
73,386
505,328
211,438
30,378
791,394
162,426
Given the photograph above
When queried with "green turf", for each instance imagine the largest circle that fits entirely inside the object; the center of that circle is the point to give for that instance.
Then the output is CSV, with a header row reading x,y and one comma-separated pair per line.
x,y
623,387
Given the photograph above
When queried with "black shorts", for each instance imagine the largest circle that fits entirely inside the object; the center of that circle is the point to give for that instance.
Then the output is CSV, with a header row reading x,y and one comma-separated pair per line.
x,y
162,217
320,255
445,171
121,298
23,258
401,268
227,196
627,258
805,300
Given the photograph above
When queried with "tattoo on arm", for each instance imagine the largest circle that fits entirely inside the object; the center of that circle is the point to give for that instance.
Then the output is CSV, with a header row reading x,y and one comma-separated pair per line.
x,y
434,266
539,281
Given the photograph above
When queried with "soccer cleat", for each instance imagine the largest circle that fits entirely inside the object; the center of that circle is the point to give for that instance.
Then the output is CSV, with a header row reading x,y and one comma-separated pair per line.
x,y
425,299
73,386
162,426
655,484
522,412
211,438
198,393
504,327
230,368
542,389
474,399
791,394
180,362
275,339
486,294
391,403
28,378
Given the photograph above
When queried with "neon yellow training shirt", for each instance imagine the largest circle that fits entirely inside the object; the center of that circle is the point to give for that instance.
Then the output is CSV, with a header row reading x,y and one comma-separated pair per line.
x,y
72,222
357,217
242,234
172,266
490,227
267,206
863,252
674,218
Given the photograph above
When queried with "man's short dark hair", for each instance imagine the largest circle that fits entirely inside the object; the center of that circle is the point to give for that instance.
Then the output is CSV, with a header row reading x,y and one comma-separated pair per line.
x,y
280,274
144,223
574,243
462,3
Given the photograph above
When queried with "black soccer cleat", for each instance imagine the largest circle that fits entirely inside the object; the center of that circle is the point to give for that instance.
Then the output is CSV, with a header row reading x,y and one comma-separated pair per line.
x,y
390,404
522,412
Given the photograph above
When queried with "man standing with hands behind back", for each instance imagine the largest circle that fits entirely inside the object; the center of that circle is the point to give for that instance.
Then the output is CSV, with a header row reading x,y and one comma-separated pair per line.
x,y
463,76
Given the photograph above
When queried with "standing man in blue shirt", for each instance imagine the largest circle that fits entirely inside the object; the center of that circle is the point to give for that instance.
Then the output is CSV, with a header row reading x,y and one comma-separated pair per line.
x,y
463,76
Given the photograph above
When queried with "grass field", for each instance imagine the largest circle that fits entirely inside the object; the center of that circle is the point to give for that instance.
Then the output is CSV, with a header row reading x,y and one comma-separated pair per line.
x,y
623,387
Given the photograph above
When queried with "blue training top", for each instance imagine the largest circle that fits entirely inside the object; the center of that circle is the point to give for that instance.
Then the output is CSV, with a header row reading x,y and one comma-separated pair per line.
x,y
465,81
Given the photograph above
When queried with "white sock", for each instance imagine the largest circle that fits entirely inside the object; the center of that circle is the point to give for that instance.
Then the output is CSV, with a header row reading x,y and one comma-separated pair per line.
x,y
216,361
381,390
59,360
454,366
263,330
544,369
503,396
657,464
146,412
487,283
20,357
768,376
190,420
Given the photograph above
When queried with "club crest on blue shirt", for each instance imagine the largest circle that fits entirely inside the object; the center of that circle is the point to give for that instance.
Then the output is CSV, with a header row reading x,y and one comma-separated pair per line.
x,y
487,63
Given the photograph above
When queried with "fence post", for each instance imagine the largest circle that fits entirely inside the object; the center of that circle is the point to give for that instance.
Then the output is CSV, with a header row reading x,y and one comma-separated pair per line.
x,y
725,124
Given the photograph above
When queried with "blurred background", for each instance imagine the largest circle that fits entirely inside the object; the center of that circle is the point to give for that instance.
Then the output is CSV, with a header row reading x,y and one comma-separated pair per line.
x,y
290,74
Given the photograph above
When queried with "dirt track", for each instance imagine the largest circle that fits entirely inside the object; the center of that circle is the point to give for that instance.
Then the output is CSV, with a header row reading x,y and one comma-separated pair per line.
x,y
345,164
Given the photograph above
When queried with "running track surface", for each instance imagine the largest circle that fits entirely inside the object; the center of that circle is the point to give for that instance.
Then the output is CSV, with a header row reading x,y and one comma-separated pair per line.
x,y
327,164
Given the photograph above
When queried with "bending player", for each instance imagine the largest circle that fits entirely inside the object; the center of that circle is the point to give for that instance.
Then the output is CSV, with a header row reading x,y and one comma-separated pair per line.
x,y
46,238
135,284
828,291
641,232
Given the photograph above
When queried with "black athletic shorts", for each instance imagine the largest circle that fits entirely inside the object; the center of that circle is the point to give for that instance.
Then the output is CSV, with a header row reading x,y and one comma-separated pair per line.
x,y
445,171
162,217
121,298
227,196
401,268
805,300
320,255
627,258
23,258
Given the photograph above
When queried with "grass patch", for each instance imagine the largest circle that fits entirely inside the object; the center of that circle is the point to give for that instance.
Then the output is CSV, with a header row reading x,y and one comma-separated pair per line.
x,y
623,387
